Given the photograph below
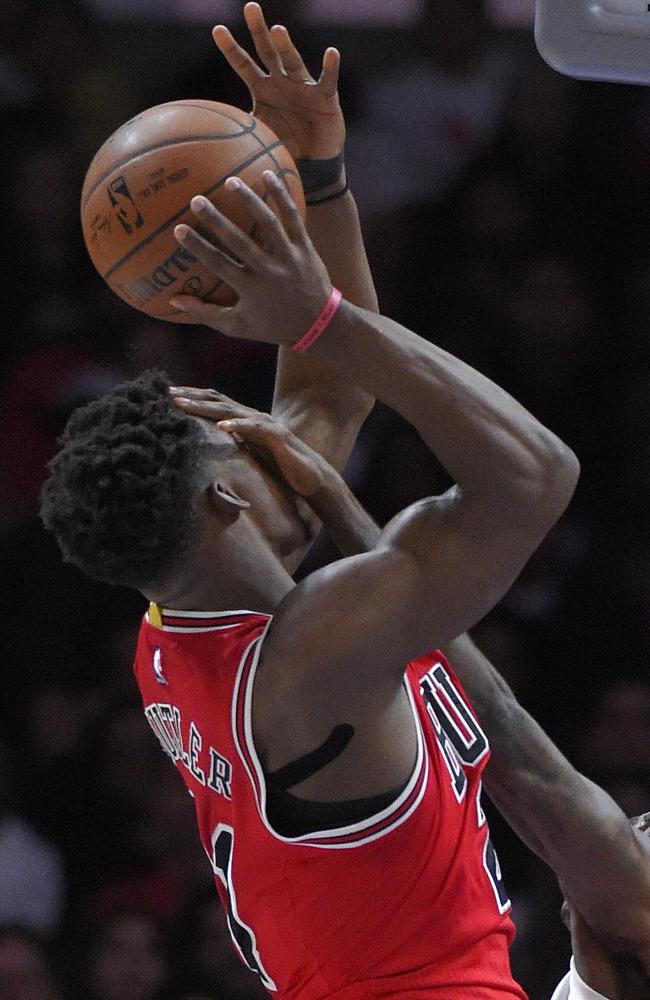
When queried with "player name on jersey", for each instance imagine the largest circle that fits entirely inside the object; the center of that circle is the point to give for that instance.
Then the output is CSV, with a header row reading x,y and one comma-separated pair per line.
x,y
185,746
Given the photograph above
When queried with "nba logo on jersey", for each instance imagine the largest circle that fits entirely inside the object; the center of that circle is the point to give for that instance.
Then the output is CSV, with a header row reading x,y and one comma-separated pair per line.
x,y
157,667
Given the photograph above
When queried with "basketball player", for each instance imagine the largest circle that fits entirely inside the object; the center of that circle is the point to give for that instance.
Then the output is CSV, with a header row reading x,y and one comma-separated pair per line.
x,y
285,68
545,799
310,721
338,781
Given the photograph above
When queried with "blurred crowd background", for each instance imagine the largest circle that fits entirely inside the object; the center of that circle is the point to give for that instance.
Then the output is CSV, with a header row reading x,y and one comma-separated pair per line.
x,y
506,210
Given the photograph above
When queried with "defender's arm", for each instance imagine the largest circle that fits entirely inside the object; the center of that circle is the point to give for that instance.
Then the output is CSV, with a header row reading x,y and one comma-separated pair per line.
x,y
602,863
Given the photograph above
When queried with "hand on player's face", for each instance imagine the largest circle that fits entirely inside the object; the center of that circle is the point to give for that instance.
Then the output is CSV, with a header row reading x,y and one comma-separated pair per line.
x,y
303,112
292,461
282,285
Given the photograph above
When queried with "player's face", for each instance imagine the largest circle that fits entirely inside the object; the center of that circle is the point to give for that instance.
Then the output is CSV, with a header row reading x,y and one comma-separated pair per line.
x,y
282,517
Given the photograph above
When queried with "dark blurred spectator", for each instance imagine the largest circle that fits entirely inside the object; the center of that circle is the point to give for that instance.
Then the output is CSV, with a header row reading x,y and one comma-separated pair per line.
x,y
614,746
425,120
43,389
25,966
120,957
32,889
76,87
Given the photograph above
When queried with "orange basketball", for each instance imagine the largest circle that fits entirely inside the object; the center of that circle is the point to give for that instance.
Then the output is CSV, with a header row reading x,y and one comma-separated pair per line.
x,y
139,187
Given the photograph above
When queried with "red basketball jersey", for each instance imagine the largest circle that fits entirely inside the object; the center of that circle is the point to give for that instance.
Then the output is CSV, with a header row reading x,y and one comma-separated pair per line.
x,y
408,903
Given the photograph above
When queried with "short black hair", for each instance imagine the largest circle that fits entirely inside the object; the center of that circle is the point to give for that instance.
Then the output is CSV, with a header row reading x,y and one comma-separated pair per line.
x,y
122,490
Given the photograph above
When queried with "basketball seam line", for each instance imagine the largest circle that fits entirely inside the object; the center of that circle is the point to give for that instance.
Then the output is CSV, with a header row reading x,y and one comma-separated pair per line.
x,y
222,180
192,102
164,145
282,171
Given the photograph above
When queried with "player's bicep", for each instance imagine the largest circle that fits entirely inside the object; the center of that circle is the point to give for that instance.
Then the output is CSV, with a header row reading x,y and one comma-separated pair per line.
x,y
347,620
437,569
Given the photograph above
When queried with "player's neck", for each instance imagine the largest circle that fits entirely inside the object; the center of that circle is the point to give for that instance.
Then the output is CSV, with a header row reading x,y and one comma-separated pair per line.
x,y
240,572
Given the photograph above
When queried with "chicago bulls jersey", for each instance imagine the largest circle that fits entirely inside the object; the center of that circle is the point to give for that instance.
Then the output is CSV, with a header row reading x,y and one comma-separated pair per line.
x,y
406,903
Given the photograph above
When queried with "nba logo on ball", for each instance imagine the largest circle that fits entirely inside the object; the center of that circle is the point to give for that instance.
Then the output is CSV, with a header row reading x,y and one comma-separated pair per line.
x,y
126,209
596,39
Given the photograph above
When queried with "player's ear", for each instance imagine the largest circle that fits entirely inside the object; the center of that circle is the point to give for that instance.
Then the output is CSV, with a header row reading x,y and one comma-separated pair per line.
x,y
225,503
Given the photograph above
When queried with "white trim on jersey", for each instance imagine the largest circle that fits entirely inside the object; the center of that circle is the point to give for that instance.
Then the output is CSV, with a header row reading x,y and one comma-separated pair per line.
x,y
200,631
200,615
307,840
573,987
210,614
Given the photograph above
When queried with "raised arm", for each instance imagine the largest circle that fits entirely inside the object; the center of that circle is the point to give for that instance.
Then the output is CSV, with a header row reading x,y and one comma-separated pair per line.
x,y
603,864
443,563
317,402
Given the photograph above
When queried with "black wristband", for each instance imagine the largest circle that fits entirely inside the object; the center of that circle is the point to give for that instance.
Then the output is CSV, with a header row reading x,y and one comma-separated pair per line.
x,y
316,175
328,197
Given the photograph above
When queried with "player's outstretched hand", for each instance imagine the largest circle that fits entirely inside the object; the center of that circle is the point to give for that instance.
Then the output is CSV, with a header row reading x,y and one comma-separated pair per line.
x,y
303,112
268,439
282,285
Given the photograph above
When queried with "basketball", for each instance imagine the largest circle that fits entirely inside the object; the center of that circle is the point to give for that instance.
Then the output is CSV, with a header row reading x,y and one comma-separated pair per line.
x,y
139,187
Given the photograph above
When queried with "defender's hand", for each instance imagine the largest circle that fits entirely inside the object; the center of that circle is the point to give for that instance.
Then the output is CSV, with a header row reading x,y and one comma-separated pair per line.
x,y
273,444
303,112
282,285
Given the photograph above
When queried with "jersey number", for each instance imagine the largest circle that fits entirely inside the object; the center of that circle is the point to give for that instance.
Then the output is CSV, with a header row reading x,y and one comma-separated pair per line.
x,y
223,842
462,742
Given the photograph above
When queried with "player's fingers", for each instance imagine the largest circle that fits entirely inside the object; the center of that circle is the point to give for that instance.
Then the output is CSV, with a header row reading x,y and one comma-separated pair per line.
x,y
328,80
260,430
292,61
268,226
206,313
237,58
193,392
212,401
218,262
228,238
209,395
286,207
209,409
262,40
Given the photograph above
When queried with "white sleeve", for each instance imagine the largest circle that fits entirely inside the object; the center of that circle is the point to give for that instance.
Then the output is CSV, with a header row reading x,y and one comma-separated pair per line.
x,y
573,987
562,989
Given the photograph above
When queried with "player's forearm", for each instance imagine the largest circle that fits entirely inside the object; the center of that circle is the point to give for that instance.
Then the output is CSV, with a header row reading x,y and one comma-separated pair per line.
x,y
562,816
487,442
351,528
335,231
304,386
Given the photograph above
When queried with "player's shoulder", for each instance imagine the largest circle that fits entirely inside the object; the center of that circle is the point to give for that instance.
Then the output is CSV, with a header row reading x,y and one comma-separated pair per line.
x,y
219,635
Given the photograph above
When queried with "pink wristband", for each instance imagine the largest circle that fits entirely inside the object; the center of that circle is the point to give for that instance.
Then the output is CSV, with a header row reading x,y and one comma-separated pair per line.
x,y
321,322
